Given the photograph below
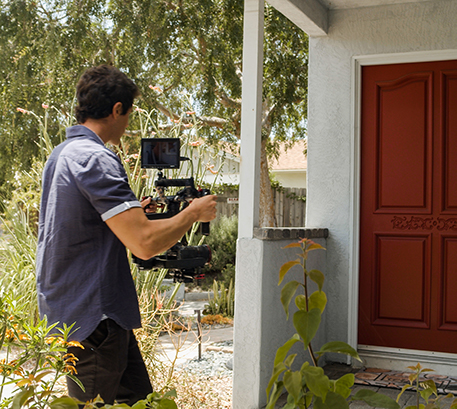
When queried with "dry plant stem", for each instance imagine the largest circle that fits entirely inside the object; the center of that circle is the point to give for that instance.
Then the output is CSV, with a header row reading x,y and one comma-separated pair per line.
x,y
178,344
178,340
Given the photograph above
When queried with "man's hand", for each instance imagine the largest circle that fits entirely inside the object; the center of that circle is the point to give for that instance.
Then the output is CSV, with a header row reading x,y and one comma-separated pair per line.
x,y
205,208
148,205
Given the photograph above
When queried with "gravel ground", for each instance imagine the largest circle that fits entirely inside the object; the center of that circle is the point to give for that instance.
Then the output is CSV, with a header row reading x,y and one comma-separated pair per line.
x,y
215,361
206,383
199,392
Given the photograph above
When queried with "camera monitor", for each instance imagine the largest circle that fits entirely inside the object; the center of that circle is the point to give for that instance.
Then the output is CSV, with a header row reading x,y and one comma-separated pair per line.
x,y
160,153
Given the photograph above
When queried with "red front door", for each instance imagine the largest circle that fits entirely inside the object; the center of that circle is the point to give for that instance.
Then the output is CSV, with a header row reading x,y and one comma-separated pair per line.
x,y
408,226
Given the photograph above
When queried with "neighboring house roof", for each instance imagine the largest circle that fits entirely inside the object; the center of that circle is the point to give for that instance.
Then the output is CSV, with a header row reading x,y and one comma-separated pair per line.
x,y
292,158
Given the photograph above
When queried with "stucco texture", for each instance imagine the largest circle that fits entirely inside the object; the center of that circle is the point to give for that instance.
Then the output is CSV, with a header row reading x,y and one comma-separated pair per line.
x,y
402,28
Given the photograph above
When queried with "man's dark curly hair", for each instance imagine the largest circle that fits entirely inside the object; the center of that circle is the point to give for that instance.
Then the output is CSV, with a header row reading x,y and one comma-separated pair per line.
x,y
99,89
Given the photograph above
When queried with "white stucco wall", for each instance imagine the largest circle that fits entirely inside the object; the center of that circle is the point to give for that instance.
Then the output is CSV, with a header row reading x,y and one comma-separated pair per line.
x,y
366,31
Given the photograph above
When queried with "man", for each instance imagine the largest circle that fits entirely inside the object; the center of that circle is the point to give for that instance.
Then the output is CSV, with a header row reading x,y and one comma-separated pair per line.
x,y
88,216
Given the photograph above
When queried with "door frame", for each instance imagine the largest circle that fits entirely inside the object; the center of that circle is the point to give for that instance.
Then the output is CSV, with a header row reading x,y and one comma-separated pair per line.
x,y
377,356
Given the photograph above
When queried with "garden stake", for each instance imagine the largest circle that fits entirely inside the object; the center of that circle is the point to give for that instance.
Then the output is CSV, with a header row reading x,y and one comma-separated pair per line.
x,y
199,333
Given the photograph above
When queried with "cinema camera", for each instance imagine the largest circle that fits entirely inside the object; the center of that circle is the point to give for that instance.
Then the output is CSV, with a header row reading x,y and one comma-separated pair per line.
x,y
183,262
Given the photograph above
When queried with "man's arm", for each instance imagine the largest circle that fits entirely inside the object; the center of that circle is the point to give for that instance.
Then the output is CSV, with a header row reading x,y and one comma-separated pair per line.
x,y
146,238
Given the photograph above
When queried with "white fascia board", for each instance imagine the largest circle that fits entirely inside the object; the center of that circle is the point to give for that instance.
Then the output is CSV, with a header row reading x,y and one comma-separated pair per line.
x,y
309,15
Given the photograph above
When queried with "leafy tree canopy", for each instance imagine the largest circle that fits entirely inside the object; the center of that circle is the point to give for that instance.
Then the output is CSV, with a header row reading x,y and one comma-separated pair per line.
x,y
192,46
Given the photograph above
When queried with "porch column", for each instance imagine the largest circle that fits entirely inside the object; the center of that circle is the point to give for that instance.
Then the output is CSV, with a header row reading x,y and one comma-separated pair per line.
x,y
251,117
249,269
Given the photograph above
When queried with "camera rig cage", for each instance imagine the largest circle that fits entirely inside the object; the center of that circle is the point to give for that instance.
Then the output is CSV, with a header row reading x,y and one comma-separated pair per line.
x,y
183,262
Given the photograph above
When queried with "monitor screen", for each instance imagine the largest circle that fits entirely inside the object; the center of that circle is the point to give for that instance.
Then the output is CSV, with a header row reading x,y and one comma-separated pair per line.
x,y
160,153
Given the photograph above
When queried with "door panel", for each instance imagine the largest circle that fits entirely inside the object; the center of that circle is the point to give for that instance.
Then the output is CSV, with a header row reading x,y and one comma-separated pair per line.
x,y
408,155
402,261
408,224
449,121
448,317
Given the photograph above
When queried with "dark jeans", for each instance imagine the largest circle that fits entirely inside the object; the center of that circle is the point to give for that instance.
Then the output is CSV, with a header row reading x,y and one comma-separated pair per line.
x,y
110,365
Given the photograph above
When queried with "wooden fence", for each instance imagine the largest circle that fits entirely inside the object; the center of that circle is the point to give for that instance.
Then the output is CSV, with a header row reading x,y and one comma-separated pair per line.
x,y
289,206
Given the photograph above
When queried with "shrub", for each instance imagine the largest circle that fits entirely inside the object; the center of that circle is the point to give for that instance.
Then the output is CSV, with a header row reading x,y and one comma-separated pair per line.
x,y
216,319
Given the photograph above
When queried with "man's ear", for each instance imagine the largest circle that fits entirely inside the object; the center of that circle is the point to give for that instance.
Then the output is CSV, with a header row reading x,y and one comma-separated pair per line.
x,y
117,109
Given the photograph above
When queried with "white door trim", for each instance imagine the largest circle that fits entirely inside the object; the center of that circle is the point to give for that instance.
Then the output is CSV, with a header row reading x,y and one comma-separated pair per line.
x,y
398,359
357,63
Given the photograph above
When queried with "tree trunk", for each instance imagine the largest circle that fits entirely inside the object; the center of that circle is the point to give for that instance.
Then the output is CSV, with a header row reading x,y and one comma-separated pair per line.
x,y
266,200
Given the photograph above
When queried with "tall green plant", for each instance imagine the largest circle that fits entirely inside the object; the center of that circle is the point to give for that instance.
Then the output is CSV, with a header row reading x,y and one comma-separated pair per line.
x,y
20,222
17,259
309,385
223,301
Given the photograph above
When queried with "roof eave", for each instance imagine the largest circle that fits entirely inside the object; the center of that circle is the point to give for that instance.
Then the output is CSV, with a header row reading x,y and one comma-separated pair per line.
x,y
309,15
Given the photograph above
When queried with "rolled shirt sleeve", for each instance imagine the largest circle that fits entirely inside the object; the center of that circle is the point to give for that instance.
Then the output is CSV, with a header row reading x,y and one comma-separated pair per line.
x,y
103,181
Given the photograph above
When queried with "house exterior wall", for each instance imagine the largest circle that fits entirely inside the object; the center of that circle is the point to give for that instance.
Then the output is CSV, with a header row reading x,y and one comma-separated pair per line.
x,y
222,167
332,159
290,178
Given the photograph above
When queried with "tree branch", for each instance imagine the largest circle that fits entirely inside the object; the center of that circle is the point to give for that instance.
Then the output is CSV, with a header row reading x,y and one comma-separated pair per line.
x,y
224,99
167,112
213,121
267,113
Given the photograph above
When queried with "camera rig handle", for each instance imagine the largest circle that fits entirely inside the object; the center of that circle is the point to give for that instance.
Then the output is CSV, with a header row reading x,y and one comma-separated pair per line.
x,y
182,197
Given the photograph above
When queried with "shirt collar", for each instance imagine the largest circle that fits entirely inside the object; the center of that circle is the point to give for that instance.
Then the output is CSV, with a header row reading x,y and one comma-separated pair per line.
x,y
81,130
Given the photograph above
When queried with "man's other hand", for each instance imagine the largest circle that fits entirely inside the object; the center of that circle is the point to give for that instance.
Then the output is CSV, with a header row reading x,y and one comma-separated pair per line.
x,y
148,205
205,208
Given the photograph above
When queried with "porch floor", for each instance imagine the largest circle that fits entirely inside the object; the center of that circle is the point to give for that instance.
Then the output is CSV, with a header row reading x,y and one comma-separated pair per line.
x,y
388,383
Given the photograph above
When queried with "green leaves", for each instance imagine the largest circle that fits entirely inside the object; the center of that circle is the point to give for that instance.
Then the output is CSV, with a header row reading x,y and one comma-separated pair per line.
x,y
318,299
64,402
316,381
292,383
340,348
285,268
276,393
310,385
287,293
333,401
375,400
307,323
281,355
318,277
22,397
343,385
282,352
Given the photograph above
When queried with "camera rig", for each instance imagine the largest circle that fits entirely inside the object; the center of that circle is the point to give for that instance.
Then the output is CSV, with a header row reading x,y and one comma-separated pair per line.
x,y
183,262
